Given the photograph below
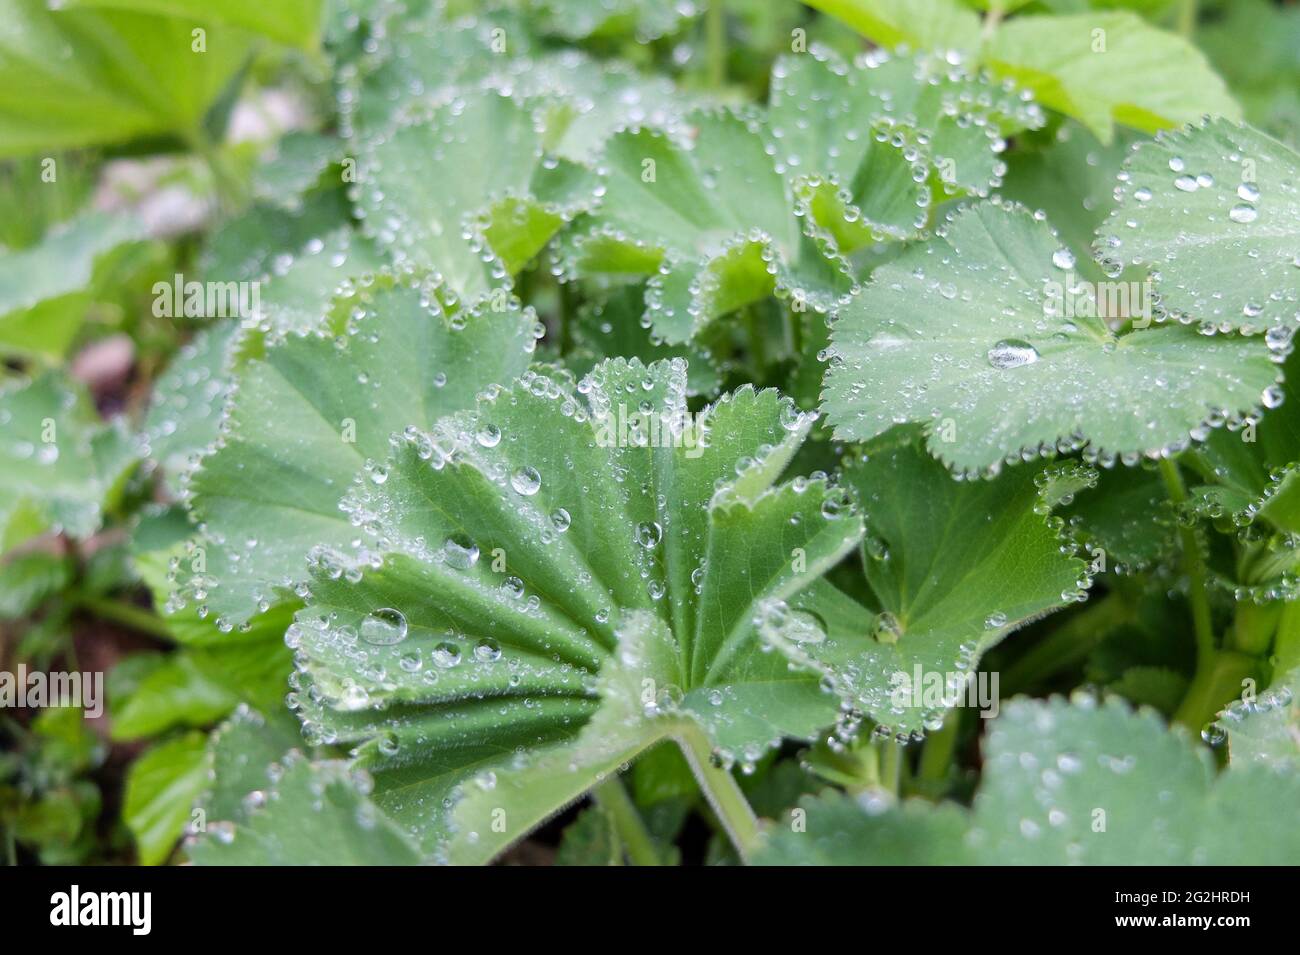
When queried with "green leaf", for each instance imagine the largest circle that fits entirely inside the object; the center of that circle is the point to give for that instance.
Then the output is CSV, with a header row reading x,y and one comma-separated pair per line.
x,y
175,692
1215,211
63,466
612,329
953,567
46,290
305,419
298,165
1108,68
584,101
1070,784
1123,519
241,751
28,580
74,78
590,840
894,135
295,22
161,787
188,399
1251,471
469,193
295,811
1254,44
1266,732
549,540
644,20
986,334
921,24
714,226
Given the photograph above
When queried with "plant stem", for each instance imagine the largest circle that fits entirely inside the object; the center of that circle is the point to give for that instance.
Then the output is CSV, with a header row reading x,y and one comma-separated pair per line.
x,y
715,28
991,21
757,345
1187,15
230,190
1197,594
891,762
128,615
721,790
613,798
940,745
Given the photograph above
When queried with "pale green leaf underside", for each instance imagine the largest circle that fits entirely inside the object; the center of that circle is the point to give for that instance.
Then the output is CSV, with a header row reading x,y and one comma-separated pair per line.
x,y
714,226
1214,210
961,333
1071,784
520,537
305,419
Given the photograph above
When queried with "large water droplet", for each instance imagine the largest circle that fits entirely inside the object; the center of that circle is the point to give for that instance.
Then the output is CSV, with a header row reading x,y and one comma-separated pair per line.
x,y
526,481
1012,353
384,627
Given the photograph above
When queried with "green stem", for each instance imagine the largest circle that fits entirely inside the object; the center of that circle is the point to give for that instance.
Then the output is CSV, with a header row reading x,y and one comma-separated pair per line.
x,y
128,615
613,798
891,763
1067,644
991,21
721,790
230,189
757,344
715,27
1187,15
1214,685
1198,596
940,746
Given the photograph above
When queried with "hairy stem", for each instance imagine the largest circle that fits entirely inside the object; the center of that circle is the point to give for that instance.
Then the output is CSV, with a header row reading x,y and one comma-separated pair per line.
x,y
1194,566
721,790
613,798
939,749
715,27
128,615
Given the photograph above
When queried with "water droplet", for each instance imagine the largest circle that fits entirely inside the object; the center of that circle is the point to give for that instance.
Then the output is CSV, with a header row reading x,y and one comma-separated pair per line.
x,y
1012,353
526,481
384,627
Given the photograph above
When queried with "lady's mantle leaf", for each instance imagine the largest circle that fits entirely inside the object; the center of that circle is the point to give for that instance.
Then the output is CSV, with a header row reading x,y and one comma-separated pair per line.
x,y
714,226
1215,211
305,418
953,567
63,466
548,537
468,192
1104,68
645,20
1266,731
869,145
267,807
987,334
1081,784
